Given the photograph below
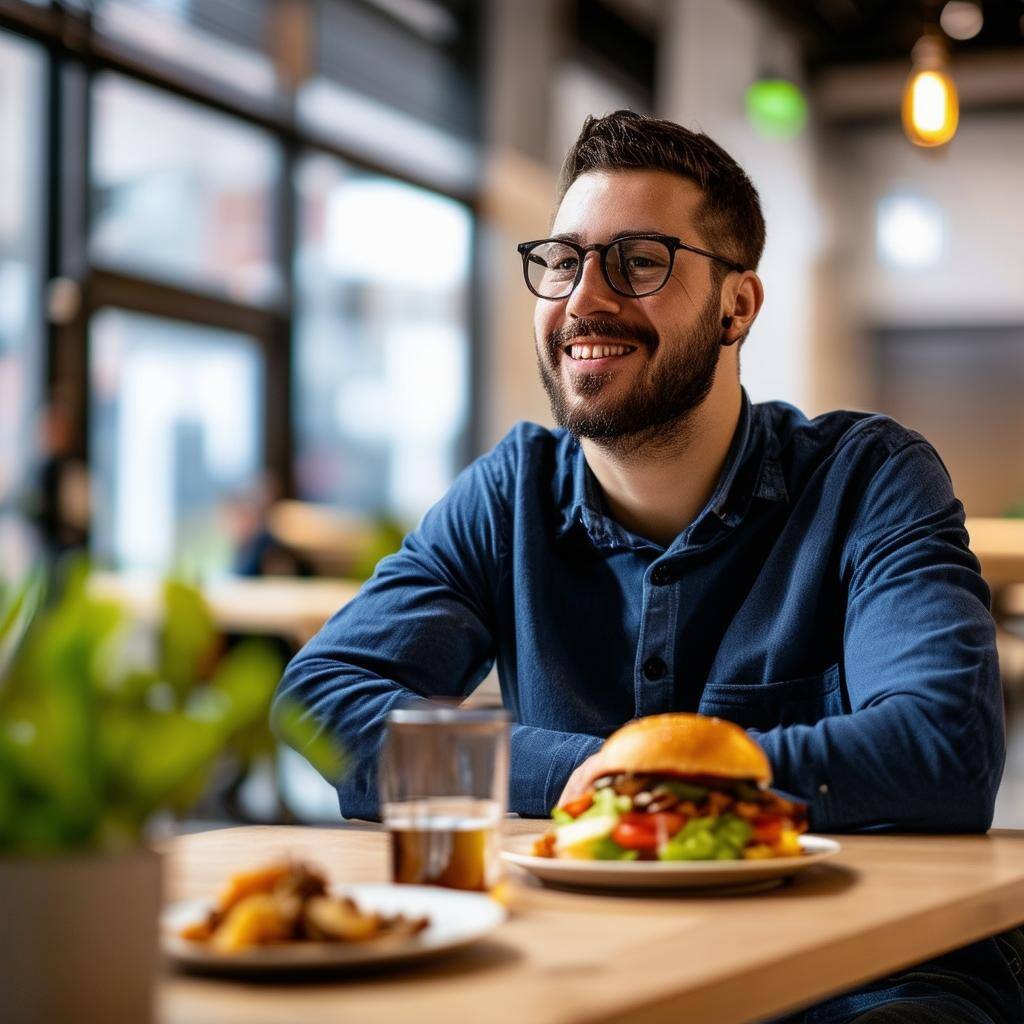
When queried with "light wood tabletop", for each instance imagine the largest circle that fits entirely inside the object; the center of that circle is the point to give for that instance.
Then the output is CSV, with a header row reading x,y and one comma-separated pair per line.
x,y
566,958
292,607
999,545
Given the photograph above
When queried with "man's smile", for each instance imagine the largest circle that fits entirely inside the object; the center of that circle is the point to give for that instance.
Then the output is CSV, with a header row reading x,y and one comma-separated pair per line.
x,y
596,353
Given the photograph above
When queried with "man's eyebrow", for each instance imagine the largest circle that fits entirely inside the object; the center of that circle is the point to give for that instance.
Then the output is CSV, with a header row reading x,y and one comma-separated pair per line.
x,y
573,236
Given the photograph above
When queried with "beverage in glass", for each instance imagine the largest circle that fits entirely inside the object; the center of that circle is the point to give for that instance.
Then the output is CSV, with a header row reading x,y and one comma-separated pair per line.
x,y
444,789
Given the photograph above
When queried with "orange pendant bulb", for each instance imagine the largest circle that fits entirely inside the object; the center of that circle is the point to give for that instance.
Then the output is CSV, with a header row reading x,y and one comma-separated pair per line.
x,y
931,109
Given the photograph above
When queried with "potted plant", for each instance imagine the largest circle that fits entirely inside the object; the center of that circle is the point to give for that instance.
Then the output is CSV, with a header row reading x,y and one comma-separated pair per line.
x,y
101,727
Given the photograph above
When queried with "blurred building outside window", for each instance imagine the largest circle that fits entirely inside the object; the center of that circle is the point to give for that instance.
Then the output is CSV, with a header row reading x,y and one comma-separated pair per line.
x,y
22,235
381,356
181,193
222,39
176,435
389,137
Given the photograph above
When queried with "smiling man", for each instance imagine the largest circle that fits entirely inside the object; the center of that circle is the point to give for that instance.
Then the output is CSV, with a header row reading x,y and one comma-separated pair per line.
x,y
674,547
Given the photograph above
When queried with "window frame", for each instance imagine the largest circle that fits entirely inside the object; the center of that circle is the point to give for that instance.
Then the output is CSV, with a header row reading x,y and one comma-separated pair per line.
x,y
76,55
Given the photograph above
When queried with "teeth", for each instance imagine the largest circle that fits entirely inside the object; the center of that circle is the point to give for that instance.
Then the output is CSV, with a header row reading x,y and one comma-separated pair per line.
x,y
598,351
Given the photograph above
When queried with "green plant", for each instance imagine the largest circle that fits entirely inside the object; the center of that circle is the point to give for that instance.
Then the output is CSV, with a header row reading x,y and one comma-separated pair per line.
x,y
101,726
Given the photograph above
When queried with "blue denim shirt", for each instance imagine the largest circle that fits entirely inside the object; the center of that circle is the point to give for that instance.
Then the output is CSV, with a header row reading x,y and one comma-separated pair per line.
x,y
825,599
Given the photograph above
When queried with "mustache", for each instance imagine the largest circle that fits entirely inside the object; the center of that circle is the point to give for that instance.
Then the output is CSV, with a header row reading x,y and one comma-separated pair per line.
x,y
586,327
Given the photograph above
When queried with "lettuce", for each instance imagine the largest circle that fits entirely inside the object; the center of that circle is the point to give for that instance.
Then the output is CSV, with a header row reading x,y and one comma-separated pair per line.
x,y
606,803
608,849
712,838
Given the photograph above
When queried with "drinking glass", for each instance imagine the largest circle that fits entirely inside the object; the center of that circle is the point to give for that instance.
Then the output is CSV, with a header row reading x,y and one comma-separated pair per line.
x,y
444,789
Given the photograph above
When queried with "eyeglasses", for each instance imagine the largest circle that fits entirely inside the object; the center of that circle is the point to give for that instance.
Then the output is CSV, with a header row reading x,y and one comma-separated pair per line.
x,y
633,265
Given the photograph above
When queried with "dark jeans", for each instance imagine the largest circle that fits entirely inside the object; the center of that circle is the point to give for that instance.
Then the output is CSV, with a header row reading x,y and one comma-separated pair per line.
x,y
979,984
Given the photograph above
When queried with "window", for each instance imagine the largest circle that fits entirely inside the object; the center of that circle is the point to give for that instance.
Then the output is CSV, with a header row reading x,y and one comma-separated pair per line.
x,y
223,39
248,303
393,82
22,90
176,439
381,372
181,192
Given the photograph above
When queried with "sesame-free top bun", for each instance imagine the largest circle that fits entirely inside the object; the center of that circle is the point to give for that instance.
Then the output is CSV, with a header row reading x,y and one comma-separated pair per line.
x,y
683,744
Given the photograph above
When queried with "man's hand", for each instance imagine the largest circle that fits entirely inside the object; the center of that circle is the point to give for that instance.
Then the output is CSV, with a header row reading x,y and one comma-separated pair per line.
x,y
579,781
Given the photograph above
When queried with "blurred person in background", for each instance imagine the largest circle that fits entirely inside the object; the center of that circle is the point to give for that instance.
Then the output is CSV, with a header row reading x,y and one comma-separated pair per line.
x,y
673,546
61,508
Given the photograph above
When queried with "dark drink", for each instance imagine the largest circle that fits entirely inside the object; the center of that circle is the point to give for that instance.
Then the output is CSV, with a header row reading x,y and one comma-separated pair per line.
x,y
449,842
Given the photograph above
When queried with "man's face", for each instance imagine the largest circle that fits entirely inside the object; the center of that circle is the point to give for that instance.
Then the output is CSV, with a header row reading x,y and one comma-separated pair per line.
x,y
665,346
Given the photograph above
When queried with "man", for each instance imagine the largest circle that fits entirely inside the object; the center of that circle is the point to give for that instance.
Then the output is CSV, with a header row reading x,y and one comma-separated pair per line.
x,y
674,547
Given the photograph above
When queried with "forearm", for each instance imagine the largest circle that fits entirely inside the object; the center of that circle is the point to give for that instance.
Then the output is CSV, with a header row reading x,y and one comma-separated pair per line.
x,y
351,706
890,767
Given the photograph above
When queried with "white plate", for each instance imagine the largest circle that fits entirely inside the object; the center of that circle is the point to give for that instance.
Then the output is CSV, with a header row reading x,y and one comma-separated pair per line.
x,y
653,874
456,920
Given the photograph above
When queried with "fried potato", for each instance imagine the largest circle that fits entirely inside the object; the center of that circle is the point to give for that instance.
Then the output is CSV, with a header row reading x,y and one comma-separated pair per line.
x,y
246,883
253,921
289,903
337,920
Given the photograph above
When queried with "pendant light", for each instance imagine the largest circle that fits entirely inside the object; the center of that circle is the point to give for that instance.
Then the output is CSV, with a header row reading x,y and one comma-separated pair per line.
x,y
931,108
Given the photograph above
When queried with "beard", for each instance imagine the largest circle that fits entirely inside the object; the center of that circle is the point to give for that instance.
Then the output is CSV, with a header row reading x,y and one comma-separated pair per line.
x,y
654,413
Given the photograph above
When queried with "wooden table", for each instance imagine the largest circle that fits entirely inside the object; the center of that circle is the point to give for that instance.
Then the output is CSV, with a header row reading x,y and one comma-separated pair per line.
x,y
883,903
291,607
999,545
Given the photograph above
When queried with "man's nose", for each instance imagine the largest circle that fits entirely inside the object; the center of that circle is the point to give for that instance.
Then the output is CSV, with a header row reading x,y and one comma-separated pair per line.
x,y
592,294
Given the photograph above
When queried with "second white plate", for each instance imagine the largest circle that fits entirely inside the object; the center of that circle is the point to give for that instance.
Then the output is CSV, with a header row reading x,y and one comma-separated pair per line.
x,y
456,920
652,874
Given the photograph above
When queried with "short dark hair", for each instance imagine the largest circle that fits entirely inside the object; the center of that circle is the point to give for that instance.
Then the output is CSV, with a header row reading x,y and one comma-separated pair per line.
x,y
730,218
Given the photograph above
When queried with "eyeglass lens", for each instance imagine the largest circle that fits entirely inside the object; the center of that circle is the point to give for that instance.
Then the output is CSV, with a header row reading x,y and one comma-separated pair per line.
x,y
635,267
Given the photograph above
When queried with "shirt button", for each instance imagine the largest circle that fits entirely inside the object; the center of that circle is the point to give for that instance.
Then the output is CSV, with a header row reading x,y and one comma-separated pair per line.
x,y
661,575
654,668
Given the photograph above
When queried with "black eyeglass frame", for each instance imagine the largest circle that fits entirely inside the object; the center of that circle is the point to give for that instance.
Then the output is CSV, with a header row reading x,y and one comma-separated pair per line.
x,y
671,242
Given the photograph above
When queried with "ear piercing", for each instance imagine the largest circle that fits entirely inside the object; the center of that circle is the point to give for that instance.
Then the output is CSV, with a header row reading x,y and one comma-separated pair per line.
x,y
727,323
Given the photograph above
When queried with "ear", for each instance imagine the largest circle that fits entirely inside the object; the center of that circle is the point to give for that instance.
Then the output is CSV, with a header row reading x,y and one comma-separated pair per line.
x,y
742,298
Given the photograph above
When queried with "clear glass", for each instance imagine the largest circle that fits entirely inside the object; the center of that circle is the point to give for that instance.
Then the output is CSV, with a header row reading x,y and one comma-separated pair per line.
x,y
181,193
444,790
381,341
22,90
222,39
176,441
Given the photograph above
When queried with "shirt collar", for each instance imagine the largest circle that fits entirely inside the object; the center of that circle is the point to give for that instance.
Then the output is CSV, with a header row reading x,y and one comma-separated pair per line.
x,y
752,470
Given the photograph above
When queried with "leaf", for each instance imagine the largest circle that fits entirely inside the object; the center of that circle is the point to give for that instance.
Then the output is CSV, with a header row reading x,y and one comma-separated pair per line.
x,y
243,684
386,539
297,727
169,748
16,614
189,638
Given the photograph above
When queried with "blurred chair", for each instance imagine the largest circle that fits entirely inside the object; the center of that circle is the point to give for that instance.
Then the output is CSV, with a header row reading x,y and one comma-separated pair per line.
x,y
332,542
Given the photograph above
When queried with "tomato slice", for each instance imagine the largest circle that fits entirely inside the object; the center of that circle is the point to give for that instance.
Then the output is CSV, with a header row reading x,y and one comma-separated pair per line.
x,y
631,836
768,829
646,831
578,806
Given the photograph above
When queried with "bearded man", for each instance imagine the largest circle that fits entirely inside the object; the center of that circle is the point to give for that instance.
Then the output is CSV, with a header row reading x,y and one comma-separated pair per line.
x,y
673,547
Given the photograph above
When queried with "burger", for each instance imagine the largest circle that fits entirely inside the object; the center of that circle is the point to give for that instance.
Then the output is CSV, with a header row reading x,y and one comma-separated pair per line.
x,y
677,787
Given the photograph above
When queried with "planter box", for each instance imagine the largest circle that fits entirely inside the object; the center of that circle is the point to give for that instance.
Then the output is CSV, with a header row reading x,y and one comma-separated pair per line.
x,y
78,938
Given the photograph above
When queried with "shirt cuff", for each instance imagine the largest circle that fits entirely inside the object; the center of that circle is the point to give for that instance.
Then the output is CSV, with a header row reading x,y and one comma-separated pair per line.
x,y
541,762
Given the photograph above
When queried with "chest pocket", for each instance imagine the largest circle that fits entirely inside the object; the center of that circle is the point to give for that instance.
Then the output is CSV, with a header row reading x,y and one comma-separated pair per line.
x,y
764,705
